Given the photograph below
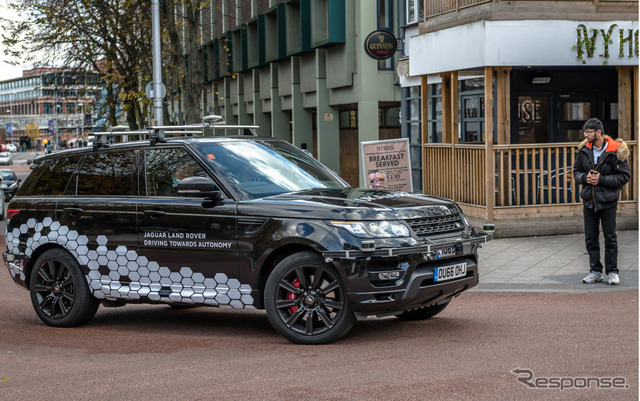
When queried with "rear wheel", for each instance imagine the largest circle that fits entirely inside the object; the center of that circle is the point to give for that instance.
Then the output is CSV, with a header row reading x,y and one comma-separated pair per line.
x,y
423,313
306,300
59,290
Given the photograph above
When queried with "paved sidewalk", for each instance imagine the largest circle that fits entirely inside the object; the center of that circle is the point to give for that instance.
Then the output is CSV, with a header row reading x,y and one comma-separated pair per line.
x,y
551,264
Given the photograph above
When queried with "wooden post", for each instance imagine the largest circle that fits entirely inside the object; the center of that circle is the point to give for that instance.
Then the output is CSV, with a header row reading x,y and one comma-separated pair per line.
x,y
424,99
454,168
488,140
625,110
446,107
503,89
455,114
636,105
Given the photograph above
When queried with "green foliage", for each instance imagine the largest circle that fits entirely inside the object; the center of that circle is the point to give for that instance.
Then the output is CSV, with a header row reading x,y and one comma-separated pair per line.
x,y
114,38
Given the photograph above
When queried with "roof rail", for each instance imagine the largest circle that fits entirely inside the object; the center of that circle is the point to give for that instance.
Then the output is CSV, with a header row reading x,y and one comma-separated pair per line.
x,y
157,133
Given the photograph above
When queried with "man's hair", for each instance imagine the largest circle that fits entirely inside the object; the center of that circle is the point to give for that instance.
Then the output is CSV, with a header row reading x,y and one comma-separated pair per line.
x,y
594,124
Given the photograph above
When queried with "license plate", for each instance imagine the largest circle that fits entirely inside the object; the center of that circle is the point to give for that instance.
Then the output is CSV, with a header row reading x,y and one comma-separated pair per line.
x,y
449,272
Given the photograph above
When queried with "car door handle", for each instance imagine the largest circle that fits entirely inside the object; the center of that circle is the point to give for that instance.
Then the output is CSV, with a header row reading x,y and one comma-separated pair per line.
x,y
154,213
73,210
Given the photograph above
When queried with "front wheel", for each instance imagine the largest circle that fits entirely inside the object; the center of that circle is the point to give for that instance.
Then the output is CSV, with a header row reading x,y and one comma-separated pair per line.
x,y
306,300
424,313
59,290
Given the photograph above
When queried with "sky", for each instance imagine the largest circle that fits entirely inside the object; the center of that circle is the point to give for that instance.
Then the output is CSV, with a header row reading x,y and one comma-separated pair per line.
x,y
8,71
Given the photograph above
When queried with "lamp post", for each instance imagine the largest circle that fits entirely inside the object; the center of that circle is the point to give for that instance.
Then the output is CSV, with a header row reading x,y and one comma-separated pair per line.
x,y
56,124
79,120
8,124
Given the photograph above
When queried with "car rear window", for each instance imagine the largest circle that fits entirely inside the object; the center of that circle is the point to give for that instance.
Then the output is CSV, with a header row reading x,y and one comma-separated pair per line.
x,y
105,174
50,177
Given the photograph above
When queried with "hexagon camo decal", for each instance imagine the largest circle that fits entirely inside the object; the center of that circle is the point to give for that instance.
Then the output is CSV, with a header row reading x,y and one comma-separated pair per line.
x,y
143,278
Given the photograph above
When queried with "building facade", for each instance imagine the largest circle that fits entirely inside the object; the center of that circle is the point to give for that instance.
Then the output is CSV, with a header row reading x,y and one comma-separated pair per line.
x,y
298,69
48,104
504,88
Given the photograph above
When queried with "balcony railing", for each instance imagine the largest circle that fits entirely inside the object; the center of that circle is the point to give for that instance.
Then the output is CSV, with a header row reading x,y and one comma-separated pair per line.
x,y
535,174
435,7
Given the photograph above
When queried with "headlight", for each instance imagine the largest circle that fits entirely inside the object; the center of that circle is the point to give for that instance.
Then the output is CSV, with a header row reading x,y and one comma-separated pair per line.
x,y
465,220
373,229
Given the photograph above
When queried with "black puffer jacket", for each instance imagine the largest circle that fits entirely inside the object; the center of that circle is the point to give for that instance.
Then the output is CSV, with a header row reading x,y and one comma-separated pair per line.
x,y
613,169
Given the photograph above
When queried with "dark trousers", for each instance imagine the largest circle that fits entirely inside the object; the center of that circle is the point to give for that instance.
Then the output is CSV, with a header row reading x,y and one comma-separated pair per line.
x,y
592,221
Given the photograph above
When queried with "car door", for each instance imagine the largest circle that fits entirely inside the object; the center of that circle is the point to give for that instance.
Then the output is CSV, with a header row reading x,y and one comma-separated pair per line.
x,y
190,242
96,221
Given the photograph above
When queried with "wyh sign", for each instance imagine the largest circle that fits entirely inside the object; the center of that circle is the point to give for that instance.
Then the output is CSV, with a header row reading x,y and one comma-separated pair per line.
x,y
603,42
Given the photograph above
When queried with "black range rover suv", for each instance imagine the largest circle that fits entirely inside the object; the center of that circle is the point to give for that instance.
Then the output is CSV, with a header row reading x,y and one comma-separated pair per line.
x,y
238,222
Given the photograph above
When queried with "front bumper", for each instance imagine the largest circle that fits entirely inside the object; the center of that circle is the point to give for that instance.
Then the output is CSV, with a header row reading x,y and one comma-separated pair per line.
x,y
463,246
416,287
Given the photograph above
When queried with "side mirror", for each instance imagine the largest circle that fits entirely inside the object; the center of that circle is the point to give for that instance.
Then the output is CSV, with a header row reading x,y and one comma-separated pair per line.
x,y
199,187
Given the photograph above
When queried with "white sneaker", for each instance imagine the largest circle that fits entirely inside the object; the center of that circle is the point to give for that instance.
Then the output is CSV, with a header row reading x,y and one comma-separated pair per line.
x,y
592,278
614,279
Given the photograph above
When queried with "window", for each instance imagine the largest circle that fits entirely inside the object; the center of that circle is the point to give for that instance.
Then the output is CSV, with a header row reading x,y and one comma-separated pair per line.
x,y
165,168
434,107
577,111
348,119
415,11
71,108
472,110
48,108
533,119
411,120
389,117
110,174
472,119
52,177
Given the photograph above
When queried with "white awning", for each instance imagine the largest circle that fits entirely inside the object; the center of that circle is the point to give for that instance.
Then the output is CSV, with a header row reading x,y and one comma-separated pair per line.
x,y
524,43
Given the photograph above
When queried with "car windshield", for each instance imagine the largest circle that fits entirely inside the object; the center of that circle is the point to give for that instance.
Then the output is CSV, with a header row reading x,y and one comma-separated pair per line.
x,y
258,169
7,175
5,154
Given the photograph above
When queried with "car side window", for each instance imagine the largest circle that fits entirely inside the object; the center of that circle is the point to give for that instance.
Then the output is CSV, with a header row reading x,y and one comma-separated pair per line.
x,y
166,167
53,176
107,173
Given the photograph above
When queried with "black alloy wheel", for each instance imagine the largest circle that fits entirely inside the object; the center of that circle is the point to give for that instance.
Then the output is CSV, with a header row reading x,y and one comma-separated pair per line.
x,y
59,290
306,300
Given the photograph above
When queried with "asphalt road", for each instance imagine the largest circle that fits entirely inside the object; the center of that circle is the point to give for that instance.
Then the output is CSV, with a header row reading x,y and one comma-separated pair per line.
x,y
466,353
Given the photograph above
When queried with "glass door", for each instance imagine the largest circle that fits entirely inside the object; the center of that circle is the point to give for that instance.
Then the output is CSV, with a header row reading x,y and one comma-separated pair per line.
x,y
573,109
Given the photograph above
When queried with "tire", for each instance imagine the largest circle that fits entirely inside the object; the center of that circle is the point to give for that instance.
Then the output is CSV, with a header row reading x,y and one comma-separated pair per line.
x,y
59,290
306,300
423,313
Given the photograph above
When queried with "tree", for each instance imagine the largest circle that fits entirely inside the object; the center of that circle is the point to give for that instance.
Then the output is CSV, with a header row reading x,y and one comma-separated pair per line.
x,y
114,38
111,37
32,131
183,27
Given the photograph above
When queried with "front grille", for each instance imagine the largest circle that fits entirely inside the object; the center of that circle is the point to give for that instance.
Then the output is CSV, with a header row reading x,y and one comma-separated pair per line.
x,y
424,227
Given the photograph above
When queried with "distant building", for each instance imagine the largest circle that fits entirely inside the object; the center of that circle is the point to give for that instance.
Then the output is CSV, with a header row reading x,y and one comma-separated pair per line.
x,y
50,104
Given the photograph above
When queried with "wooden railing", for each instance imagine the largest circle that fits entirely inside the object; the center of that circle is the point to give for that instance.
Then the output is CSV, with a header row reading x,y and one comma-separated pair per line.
x,y
435,7
535,174
455,172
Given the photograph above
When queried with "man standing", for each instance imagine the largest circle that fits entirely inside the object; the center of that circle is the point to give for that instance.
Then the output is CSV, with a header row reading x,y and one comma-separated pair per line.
x,y
602,169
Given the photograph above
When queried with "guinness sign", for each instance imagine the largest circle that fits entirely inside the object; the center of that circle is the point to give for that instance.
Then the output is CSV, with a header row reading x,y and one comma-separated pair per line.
x,y
380,45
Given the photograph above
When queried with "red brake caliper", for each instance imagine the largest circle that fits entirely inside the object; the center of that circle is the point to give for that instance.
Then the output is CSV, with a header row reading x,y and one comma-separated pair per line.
x,y
291,295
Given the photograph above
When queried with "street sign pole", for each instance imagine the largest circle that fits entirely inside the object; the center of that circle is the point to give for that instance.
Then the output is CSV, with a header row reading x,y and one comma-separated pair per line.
x,y
157,62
